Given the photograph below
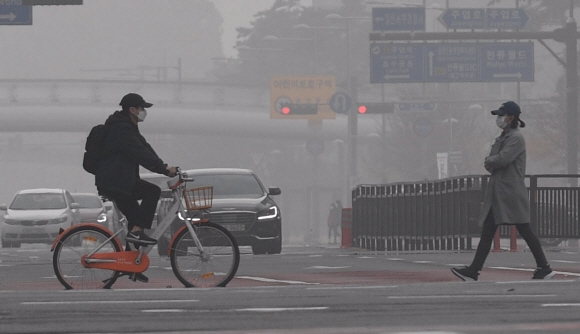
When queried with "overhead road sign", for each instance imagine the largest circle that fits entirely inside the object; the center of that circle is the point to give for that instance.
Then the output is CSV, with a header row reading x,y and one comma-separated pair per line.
x,y
463,18
51,2
15,14
398,19
482,18
451,62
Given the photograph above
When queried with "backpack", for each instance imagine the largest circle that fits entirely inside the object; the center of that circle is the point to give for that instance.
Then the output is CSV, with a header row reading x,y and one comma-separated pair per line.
x,y
94,148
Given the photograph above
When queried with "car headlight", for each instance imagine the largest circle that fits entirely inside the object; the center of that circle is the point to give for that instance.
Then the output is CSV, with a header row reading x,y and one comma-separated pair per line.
x,y
11,221
269,213
102,218
59,220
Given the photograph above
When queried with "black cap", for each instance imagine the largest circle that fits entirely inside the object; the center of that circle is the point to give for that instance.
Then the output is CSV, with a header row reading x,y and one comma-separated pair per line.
x,y
134,100
508,108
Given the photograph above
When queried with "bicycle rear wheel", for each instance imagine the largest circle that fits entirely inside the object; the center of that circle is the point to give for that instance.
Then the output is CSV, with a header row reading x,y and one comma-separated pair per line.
x,y
216,267
66,259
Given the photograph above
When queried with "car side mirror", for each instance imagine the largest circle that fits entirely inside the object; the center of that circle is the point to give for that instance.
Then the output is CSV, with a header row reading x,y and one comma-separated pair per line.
x,y
75,206
274,191
3,207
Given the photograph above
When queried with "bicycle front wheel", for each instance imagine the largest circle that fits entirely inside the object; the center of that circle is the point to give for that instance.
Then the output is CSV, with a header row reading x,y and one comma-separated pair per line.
x,y
215,267
68,252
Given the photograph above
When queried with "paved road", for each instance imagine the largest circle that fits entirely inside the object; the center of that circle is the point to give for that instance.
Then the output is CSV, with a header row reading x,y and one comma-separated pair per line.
x,y
304,290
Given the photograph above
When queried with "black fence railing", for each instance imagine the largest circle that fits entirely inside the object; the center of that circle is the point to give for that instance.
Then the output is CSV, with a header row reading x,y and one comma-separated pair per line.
x,y
443,214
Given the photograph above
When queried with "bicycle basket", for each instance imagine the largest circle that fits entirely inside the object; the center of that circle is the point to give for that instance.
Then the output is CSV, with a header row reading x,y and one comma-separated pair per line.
x,y
198,198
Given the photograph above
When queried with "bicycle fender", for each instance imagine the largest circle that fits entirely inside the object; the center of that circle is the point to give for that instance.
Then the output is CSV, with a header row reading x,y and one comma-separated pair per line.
x,y
64,232
184,227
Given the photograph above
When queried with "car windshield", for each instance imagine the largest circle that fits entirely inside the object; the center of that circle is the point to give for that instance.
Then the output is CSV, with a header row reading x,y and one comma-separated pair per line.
x,y
88,202
231,185
36,201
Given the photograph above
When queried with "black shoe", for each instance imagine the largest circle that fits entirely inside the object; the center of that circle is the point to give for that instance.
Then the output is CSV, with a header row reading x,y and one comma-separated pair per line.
x,y
140,237
544,273
138,277
465,273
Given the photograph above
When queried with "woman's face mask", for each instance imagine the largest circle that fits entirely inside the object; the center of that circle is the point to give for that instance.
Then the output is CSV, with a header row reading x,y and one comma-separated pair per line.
x,y
141,115
500,122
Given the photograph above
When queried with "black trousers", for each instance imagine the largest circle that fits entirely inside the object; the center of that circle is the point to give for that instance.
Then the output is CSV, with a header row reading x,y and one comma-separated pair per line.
x,y
487,234
142,214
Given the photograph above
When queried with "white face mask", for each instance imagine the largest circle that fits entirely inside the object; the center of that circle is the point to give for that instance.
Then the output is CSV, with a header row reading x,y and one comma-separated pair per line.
x,y
500,122
141,115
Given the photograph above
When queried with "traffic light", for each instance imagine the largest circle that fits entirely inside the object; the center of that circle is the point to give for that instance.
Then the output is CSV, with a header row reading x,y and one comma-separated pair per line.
x,y
299,109
376,108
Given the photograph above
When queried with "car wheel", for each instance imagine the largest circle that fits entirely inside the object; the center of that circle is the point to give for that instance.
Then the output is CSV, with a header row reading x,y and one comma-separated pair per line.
x,y
258,248
267,247
550,242
7,244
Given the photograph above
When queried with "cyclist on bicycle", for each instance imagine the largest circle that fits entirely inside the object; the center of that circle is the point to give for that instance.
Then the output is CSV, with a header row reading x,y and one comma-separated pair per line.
x,y
117,176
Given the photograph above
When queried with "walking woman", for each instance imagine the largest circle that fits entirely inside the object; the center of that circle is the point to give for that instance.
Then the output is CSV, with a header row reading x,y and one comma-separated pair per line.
x,y
506,197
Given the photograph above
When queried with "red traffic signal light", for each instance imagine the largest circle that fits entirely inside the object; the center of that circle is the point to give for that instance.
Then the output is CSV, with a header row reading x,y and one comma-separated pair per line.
x,y
299,109
376,108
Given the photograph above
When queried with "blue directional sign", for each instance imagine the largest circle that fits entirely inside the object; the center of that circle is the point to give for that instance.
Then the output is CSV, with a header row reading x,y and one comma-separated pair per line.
x,y
451,62
15,14
463,18
398,19
506,18
507,61
396,62
481,18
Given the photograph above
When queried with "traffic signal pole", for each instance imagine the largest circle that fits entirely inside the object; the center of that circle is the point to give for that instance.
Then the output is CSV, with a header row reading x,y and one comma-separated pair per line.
x,y
567,35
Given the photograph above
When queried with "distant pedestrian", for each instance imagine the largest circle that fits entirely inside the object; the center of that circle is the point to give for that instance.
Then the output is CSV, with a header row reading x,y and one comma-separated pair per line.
x,y
506,197
334,221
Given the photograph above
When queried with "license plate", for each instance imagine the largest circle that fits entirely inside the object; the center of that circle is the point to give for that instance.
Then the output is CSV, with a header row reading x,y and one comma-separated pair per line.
x,y
234,227
33,230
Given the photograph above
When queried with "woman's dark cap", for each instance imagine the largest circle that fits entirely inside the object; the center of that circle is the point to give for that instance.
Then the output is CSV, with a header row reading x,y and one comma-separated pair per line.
x,y
134,100
508,108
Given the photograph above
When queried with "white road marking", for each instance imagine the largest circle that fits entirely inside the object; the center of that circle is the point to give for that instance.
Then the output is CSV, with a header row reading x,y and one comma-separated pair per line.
x,y
468,296
561,304
316,255
562,261
270,280
327,267
395,259
353,287
423,262
366,257
81,302
169,310
281,309
532,270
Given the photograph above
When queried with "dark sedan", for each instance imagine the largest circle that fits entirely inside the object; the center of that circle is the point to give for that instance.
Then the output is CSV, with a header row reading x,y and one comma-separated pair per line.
x,y
241,204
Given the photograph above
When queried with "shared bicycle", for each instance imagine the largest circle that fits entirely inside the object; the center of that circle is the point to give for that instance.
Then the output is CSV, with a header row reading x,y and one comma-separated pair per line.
x,y
202,253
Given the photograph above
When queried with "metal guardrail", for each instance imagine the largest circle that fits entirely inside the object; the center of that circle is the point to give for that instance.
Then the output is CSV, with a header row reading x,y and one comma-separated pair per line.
x,y
443,214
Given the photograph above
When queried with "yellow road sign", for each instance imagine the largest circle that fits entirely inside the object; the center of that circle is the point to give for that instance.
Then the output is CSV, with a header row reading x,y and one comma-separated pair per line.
x,y
302,90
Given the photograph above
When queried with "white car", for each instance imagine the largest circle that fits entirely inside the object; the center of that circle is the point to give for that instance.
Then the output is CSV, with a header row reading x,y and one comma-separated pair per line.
x,y
91,208
37,215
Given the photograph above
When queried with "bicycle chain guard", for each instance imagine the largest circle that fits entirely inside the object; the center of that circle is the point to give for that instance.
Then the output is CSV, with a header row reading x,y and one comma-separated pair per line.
x,y
124,261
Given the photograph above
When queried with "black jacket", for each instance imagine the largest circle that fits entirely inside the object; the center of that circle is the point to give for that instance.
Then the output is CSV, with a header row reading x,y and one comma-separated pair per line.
x,y
125,150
